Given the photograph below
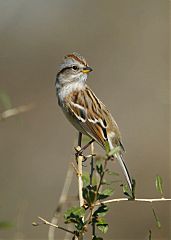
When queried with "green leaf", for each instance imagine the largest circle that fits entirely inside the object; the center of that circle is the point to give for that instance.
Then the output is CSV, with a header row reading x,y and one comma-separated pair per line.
x,y
5,100
159,184
102,225
89,194
127,192
99,168
5,224
79,226
75,215
114,151
77,211
101,211
156,219
106,193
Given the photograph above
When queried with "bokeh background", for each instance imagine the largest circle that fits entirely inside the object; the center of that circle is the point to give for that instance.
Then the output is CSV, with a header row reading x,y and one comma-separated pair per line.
x,y
127,44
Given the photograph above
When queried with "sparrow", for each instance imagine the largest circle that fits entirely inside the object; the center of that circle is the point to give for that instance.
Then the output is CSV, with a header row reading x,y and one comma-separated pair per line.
x,y
84,110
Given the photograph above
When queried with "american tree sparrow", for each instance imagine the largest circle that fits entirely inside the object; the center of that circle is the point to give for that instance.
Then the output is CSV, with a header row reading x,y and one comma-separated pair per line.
x,y
84,110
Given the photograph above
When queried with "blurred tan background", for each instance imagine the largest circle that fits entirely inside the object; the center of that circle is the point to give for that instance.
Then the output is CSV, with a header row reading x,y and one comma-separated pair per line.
x,y
126,42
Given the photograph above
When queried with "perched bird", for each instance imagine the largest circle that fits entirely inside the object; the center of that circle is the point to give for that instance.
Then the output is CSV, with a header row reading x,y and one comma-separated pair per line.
x,y
84,110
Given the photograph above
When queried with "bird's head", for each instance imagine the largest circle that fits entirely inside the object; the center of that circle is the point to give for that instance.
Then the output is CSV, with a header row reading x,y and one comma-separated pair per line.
x,y
74,69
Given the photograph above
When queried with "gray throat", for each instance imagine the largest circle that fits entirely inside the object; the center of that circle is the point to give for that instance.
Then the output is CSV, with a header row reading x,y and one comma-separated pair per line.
x,y
62,90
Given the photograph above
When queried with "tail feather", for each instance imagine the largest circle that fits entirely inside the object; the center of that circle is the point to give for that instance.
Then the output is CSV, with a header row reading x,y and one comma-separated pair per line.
x,y
125,170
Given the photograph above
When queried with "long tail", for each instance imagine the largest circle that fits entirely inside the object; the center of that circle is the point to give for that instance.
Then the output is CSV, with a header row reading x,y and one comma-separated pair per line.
x,y
125,170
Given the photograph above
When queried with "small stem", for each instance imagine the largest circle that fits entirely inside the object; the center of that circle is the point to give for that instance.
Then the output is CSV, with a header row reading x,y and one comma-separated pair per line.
x,y
102,176
93,225
56,226
92,164
89,220
93,230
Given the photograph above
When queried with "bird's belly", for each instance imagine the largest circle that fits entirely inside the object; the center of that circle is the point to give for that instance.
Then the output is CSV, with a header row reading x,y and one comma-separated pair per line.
x,y
75,122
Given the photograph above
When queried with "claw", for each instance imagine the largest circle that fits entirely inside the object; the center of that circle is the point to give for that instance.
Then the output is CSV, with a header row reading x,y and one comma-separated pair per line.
x,y
78,151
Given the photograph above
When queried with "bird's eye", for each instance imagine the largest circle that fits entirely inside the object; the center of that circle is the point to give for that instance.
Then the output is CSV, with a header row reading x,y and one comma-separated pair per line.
x,y
75,67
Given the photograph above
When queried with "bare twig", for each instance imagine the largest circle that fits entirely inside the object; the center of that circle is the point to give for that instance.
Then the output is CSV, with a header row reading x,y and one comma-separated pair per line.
x,y
148,200
15,111
80,182
53,225
61,203
102,175
79,159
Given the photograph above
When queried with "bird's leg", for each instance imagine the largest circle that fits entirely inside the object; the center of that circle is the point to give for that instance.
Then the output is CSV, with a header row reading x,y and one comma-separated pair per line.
x,y
80,150
86,146
79,139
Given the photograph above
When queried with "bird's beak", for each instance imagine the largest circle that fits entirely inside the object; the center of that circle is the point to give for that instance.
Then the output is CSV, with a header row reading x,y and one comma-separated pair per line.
x,y
87,69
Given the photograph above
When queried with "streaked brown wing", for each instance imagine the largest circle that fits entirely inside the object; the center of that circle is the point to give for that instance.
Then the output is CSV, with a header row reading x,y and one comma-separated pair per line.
x,y
91,114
